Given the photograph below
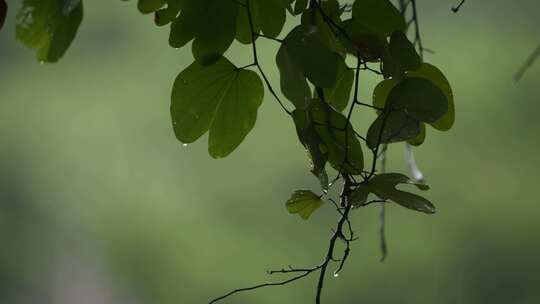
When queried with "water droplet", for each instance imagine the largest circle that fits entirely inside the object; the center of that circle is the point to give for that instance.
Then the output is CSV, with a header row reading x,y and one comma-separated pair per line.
x,y
184,145
336,274
42,62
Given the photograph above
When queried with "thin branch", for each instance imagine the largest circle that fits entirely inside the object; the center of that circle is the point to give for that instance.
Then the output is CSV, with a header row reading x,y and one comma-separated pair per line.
x,y
268,37
256,59
285,282
528,63
456,9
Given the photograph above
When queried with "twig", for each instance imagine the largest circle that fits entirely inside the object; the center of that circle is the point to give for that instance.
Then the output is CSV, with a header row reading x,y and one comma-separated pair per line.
x,y
528,63
256,59
456,9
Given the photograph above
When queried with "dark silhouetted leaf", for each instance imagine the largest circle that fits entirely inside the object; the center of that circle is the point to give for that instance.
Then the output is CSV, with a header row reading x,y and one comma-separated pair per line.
x,y
332,128
304,203
293,83
359,196
3,12
49,26
167,15
186,26
306,50
384,186
216,32
420,138
398,126
362,41
311,140
379,16
419,98
212,25
432,73
150,6
338,96
267,16
329,34
219,98
403,52
300,6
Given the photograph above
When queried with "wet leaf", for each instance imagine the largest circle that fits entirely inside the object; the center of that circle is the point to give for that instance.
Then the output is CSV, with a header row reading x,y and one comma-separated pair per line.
x,y
220,99
343,148
49,26
312,142
293,82
304,203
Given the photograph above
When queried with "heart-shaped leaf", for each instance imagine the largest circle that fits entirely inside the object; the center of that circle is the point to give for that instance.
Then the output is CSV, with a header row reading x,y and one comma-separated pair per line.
x,y
219,98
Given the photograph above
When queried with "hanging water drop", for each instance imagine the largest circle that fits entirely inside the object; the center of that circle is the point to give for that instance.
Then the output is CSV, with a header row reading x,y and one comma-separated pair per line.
x,y
184,145
336,274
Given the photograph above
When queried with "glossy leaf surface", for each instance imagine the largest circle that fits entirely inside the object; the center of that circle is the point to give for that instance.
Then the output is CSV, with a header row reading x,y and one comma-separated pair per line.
x,y
49,26
220,99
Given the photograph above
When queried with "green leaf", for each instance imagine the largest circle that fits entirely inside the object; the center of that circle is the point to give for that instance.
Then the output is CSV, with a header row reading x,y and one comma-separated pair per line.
x,y
379,16
212,25
304,203
362,41
150,6
167,15
272,14
384,186
293,83
420,138
381,92
338,137
49,26
216,32
360,195
432,73
398,126
338,96
267,16
403,52
329,35
243,28
186,26
312,142
305,49
420,98
300,6
3,12
219,98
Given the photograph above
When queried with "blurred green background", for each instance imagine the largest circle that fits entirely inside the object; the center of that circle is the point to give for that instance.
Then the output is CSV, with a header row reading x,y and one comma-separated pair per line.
x,y
100,204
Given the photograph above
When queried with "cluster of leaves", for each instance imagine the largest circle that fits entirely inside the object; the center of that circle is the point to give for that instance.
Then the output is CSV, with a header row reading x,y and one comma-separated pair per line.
x,y
314,60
